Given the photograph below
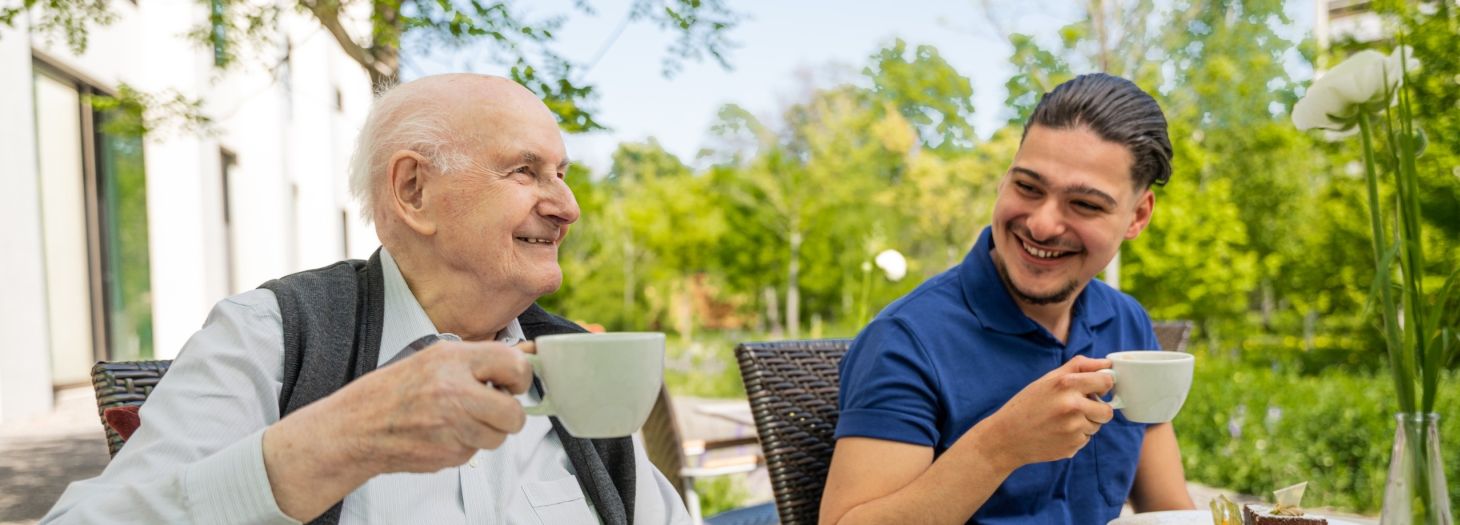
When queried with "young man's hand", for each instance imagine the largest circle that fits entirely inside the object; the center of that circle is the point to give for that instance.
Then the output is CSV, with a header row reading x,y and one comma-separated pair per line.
x,y
1051,418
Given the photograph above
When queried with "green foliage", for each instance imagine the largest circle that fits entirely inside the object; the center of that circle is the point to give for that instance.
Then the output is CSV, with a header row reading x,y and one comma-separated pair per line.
x,y
67,19
772,235
720,493
1183,268
927,91
1252,429
705,367
134,113
1039,71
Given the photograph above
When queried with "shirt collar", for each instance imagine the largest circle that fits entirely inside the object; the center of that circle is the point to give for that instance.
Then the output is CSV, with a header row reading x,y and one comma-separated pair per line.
x,y
986,296
406,321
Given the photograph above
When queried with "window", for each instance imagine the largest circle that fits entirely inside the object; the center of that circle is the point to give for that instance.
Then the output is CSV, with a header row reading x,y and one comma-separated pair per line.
x,y
126,271
94,230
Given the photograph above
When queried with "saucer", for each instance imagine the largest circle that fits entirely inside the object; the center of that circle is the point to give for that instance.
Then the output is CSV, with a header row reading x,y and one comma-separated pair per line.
x,y
1185,517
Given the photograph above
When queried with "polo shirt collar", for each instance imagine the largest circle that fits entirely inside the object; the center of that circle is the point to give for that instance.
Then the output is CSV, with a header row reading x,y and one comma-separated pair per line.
x,y
986,296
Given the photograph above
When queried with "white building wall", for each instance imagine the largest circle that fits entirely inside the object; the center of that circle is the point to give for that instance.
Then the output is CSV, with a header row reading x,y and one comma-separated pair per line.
x,y
25,368
281,123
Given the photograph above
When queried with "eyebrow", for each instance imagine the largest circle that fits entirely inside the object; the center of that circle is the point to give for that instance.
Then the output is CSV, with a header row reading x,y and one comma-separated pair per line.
x,y
529,157
1078,189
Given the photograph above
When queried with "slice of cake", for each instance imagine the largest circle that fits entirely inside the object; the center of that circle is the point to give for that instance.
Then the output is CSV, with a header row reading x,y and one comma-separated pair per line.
x,y
1254,514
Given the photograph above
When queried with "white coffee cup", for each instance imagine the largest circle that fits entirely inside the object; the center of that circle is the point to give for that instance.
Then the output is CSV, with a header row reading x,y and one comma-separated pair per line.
x,y
599,385
1150,385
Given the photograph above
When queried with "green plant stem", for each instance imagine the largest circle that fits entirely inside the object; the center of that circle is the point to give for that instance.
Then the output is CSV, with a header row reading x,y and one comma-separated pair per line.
x,y
1408,180
1403,373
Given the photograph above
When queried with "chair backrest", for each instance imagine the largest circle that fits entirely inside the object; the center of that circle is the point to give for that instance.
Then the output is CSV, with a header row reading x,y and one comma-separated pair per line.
x,y
123,383
1172,335
792,386
663,442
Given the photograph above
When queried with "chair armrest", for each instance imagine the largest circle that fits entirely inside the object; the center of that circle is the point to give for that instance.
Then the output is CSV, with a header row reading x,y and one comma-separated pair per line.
x,y
695,447
707,472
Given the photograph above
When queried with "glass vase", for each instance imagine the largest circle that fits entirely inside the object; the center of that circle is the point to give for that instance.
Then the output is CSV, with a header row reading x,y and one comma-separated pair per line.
x,y
1416,492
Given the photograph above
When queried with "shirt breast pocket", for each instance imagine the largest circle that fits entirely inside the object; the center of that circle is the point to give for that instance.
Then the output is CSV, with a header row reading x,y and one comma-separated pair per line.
x,y
559,501
1118,451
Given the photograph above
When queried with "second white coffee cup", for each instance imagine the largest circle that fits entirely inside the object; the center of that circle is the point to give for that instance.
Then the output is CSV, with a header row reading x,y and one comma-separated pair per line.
x,y
599,385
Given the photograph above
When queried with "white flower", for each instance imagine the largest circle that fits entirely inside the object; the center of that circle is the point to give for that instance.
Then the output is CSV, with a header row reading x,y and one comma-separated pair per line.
x,y
1365,82
1335,99
893,264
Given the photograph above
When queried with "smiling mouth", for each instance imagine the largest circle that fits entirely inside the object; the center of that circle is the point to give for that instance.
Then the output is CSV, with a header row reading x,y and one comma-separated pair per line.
x,y
537,240
1041,253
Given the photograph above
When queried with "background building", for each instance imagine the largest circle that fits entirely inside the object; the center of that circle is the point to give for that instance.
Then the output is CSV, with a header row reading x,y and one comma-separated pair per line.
x,y
1344,19
114,246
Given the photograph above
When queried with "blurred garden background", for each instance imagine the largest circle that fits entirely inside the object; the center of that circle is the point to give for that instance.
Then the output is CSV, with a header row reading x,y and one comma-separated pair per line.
x,y
864,128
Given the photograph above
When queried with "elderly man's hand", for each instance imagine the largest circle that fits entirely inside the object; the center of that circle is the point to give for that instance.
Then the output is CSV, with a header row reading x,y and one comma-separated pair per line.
x,y
435,409
427,412
1051,418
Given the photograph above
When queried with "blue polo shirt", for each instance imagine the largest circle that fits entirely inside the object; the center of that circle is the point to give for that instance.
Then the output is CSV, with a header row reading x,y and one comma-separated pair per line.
x,y
952,352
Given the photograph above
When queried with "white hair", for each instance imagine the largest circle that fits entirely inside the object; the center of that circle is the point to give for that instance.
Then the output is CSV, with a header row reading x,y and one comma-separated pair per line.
x,y
399,121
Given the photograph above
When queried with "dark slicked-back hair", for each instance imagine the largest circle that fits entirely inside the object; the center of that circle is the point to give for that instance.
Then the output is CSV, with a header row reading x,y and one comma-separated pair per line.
x,y
1116,110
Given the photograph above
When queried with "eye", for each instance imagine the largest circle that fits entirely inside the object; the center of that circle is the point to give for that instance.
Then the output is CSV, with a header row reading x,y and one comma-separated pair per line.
x,y
1026,188
523,171
1088,207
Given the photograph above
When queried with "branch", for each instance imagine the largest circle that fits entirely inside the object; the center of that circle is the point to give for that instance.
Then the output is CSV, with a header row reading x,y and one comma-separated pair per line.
x,y
328,14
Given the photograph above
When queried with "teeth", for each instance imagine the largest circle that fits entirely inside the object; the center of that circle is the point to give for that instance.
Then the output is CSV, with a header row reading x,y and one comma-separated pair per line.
x,y
1038,252
530,240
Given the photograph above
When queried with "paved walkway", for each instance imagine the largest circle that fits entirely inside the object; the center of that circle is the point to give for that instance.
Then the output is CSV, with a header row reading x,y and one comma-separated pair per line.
x,y
38,458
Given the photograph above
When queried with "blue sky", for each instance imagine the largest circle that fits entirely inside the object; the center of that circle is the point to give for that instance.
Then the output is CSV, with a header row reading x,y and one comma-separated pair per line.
x,y
780,44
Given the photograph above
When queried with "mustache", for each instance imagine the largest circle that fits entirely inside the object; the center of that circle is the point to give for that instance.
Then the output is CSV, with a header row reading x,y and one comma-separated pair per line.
x,y
1019,229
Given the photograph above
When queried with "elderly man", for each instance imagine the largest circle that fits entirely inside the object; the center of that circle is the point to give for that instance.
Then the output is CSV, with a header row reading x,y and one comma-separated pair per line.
x,y
274,412
972,399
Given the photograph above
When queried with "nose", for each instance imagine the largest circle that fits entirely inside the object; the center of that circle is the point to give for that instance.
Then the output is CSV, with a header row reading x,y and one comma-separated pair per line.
x,y
558,203
1046,221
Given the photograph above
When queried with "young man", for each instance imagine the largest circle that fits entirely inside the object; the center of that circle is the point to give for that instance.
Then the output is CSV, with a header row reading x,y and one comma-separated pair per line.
x,y
975,397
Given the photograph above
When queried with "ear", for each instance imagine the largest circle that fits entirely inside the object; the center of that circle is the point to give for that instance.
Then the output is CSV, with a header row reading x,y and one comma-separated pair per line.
x,y
1144,207
407,175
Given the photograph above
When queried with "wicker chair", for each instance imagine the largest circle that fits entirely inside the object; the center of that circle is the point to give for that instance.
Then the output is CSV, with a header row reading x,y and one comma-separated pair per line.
x,y
1172,335
123,383
792,386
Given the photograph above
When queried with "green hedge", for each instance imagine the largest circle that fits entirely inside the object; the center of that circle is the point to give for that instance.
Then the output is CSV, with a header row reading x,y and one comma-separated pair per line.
x,y
1253,429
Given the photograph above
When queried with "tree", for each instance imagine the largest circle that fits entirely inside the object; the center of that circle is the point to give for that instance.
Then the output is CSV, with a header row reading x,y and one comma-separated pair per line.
x,y
927,91
947,202
672,224
372,34
1088,44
